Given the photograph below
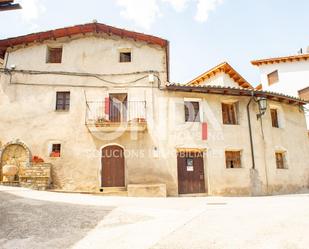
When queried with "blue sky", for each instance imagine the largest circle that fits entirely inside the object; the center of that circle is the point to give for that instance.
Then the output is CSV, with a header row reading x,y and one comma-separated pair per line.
x,y
202,33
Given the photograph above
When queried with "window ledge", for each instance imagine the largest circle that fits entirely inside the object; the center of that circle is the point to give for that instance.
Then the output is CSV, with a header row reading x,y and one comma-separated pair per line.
x,y
62,111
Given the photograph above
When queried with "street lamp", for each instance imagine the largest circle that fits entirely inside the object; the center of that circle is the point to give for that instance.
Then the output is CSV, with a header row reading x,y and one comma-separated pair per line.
x,y
262,101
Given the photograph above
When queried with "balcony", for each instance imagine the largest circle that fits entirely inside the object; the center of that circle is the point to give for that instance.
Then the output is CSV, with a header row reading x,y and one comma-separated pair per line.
x,y
116,116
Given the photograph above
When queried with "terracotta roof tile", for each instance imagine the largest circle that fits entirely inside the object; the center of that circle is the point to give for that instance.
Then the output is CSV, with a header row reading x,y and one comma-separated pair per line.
x,y
79,29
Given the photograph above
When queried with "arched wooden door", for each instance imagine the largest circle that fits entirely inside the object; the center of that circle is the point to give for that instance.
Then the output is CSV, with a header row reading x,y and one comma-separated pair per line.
x,y
112,167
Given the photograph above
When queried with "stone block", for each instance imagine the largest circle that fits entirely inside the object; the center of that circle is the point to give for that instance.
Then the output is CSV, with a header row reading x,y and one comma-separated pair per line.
x,y
147,190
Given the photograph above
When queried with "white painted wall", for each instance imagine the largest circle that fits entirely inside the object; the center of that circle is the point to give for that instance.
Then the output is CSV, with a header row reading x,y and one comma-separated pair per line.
x,y
293,76
220,79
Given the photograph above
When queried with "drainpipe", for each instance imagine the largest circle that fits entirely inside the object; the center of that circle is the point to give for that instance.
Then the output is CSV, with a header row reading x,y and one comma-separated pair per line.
x,y
250,130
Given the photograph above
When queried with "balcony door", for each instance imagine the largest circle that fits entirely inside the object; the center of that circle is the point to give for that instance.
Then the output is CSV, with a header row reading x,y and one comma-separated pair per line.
x,y
118,107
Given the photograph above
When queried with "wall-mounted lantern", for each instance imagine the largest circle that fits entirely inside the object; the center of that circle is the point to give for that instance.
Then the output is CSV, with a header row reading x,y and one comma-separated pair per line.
x,y
262,101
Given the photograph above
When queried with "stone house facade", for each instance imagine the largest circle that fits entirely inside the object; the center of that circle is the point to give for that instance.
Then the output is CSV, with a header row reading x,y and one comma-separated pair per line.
x,y
95,102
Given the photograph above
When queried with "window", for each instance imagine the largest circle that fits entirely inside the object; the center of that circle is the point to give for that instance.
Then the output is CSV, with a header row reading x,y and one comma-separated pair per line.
x,y
233,159
63,101
273,78
56,150
192,111
274,118
280,160
54,55
125,57
229,113
304,94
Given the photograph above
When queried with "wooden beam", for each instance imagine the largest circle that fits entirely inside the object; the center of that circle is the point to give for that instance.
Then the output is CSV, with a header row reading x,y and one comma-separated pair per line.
x,y
6,1
7,7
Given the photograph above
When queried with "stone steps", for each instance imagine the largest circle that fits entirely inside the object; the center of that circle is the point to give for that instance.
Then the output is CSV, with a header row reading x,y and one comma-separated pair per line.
x,y
10,184
113,191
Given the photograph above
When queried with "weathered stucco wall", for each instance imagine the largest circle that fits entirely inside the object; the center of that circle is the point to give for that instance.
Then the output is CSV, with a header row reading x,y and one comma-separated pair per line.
x,y
27,112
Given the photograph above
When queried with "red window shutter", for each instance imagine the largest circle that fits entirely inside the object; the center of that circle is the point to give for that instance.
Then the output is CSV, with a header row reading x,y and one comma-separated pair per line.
x,y
204,131
107,103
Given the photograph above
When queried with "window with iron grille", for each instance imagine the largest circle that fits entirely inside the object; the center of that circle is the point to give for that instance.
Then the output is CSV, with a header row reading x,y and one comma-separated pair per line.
x,y
54,55
233,159
273,77
229,113
192,111
280,160
125,57
63,101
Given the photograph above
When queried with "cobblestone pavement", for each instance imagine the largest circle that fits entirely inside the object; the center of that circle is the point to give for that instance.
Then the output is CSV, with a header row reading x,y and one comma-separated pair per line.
x,y
34,220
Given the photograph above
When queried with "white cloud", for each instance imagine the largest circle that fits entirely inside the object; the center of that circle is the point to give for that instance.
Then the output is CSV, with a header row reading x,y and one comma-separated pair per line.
x,y
32,9
143,13
178,5
204,7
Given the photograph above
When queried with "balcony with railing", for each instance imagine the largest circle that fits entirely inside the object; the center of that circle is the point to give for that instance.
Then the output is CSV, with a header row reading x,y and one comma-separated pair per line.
x,y
108,115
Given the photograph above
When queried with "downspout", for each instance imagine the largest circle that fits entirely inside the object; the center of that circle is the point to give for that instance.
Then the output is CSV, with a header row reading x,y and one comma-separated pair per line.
x,y
6,60
250,130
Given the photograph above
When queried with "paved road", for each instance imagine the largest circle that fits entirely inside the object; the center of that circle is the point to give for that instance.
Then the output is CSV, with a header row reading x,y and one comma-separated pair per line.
x,y
34,220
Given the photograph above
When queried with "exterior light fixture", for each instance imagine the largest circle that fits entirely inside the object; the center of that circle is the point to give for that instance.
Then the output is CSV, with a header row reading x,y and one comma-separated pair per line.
x,y
262,101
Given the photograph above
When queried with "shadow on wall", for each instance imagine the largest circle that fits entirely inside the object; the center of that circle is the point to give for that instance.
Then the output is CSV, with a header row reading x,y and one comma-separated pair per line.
x,y
27,223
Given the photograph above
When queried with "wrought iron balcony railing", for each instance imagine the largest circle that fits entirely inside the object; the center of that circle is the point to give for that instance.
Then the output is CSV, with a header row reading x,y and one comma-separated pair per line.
x,y
109,113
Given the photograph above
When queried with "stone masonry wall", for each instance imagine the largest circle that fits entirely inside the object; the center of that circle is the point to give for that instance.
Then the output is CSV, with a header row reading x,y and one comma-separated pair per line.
x,y
37,176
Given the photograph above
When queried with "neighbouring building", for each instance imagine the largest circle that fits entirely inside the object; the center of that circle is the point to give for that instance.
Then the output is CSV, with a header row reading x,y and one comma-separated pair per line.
x,y
92,105
288,75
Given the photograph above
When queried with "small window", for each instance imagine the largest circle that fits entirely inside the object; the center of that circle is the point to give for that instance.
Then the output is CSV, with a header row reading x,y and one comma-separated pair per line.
x,y
229,113
304,94
125,57
233,159
273,78
54,55
63,101
56,150
192,111
281,160
274,118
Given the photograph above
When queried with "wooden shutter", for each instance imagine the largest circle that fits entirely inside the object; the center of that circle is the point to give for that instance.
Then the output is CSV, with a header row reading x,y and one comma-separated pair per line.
x,y
274,118
304,94
225,115
54,55
233,159
273,78
229,113
279,160
63,101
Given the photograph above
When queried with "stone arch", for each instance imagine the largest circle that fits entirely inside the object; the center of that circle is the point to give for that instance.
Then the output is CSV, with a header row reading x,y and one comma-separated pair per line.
x,y
15,152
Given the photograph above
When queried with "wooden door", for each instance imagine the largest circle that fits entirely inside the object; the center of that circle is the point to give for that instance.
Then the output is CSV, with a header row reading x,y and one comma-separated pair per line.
x,y
113,167
191,179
